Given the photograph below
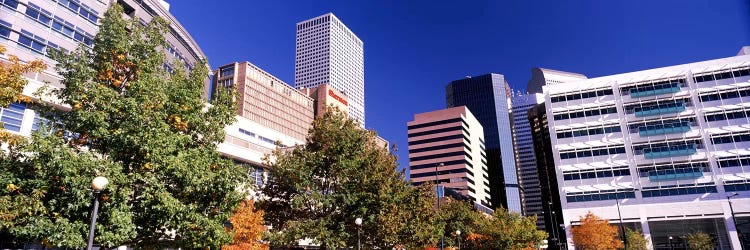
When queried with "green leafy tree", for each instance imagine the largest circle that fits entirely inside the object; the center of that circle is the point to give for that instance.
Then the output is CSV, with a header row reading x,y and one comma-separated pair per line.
x,y
458,215
636,240
146,129
699,241
317,190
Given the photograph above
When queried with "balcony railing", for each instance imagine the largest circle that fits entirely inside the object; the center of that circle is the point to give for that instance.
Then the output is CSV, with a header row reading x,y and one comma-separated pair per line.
x,y
675,174
674,128
660,109
682,150
655,90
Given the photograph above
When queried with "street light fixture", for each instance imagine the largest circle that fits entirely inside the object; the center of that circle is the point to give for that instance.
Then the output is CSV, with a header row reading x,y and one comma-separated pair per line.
x,y
358,222
670,242
619,215
97,185
458,236
734,220
437,189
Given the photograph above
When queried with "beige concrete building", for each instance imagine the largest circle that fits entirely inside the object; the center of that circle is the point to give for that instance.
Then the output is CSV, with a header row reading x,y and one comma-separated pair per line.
x,y
266,100
451,142
324,96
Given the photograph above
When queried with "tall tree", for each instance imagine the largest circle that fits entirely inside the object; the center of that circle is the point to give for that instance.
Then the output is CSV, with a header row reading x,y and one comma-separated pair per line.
x,y
595,233
146,129
317,190
248,228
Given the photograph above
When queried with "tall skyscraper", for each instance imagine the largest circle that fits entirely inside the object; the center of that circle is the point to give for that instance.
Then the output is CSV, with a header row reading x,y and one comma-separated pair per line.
x,y
488,97
448,145
329,53
547,176
523,146
665,151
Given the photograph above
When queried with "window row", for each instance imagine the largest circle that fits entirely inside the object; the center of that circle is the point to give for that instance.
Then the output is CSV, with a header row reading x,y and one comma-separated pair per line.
x,y
440,147
656,105
640,148
437,139
442,130
584,95
733,186
734,162
5,29
590,131
592,152
597,174
13,4
728,115
446,163
12,116
725,95
638,126
645,171
443,155
730,138
585,113
676,190
443,172
599,196
722,75
653,86
430,124
81,9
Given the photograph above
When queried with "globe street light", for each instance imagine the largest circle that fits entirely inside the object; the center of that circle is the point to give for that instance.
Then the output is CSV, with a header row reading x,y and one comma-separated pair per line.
x,y
458,236
358,221
97,185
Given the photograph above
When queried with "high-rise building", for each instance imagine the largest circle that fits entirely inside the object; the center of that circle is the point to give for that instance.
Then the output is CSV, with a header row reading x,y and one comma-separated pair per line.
x,y
270,113
547,176
29,28
327,52
488,98
324,96
267,100
447,146
665,151
523,146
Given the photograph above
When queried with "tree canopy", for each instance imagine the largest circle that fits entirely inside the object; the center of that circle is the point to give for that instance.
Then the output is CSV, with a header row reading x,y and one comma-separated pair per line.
x,y
248,228
142,126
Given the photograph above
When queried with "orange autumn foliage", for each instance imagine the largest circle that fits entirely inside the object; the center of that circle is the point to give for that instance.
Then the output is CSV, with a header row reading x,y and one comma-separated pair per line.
x,y
594,233
248,228
12,81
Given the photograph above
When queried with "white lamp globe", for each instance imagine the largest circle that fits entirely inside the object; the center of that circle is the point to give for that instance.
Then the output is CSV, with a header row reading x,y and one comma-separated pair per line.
x,y
358,221
99,183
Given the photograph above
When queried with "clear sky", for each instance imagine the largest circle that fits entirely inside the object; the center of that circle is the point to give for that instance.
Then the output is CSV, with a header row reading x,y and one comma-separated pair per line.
x,y
413,48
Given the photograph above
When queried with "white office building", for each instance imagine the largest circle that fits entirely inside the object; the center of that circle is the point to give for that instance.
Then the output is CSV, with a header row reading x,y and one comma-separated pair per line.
x,y
329,53
660,149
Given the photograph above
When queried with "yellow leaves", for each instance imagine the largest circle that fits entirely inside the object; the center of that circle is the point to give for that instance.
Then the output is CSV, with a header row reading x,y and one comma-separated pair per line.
x,y
248,228
11,138
177,122
11,187
12,81
148,166
77,105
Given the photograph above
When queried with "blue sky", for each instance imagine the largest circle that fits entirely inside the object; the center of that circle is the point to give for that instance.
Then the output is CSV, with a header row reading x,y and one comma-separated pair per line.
x,y
414,48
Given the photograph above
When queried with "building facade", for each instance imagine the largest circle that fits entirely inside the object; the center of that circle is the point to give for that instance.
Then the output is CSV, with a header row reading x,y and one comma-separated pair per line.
x,y
662,150
268,101
29,27
447,146
324,96
328,52
523,147
488,97
547,176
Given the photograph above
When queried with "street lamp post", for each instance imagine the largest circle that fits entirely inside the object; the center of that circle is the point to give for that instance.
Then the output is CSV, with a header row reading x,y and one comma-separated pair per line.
x,y
358,221
670,242
622,227
734,220
458,236
437,189
97,185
